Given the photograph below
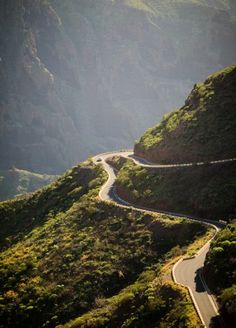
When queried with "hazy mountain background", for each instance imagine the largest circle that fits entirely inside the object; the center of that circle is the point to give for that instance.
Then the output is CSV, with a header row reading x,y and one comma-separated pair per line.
x,y
82,76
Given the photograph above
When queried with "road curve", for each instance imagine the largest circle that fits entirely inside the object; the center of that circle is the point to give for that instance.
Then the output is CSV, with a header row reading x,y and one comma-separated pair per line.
x,y
187,271
145,163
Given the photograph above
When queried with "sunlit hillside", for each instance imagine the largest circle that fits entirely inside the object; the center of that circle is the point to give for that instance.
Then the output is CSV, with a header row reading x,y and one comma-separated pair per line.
x,y
66,255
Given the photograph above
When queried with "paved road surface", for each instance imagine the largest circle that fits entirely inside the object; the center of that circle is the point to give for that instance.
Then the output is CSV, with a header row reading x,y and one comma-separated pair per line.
x,y
186,272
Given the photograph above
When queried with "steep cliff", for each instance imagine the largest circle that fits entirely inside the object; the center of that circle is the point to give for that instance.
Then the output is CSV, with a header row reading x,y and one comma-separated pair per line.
x,y
36,121
79,77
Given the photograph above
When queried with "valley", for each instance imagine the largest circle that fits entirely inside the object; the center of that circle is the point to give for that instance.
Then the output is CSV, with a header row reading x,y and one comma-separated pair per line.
x,y
129,238
69,68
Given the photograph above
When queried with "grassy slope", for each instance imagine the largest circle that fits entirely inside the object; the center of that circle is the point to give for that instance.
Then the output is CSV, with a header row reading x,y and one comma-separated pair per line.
x,y
66,253
203,129
16,182
220,271
206,191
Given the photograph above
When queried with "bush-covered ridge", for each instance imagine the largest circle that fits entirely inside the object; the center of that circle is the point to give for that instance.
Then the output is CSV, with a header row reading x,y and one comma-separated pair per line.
x,y
73,253
149,302
220,271
207,191
19,216
203,129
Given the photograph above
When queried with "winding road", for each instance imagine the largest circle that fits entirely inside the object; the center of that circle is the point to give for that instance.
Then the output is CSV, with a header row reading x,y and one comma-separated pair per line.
x,y
187,271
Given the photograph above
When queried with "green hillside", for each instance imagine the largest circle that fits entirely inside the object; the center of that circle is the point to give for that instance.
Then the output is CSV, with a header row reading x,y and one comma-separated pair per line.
x,y
16,182
203,129
66,255
207,191
83,76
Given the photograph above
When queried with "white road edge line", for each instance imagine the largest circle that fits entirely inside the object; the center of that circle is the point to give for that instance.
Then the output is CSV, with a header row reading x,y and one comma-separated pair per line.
x,y
214,305
189,290
129,205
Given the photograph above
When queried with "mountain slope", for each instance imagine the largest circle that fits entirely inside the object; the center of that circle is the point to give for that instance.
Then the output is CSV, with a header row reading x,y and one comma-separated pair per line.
x,y
206,191
65,255
15,182
203,129
36,118
136,58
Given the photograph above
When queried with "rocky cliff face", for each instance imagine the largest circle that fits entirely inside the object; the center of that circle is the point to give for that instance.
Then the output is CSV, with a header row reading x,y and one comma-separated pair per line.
x,y
79,77
36,121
